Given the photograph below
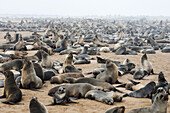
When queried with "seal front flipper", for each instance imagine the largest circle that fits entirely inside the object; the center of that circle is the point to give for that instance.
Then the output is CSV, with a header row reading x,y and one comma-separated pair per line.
x,y
118,90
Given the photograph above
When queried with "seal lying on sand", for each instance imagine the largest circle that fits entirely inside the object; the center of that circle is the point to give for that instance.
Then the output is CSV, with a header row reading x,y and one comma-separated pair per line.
x,y
36,107
145,92
105,97
77,90
95,82
60,78
159,105
120,109
11,92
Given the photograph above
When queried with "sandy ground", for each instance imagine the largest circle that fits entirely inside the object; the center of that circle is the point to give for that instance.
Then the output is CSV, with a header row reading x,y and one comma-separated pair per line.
x,y
160,62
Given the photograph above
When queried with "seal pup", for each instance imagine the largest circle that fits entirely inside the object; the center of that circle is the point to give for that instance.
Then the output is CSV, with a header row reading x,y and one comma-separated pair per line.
x,y
11,92
110,75
159,105
61,78
29,79
77,90
60,97
145,92
120,109
36,107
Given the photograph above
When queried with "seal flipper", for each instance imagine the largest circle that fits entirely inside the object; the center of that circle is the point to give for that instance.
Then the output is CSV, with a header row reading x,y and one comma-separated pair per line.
x,y
125,95
32,87
133,82
122,85
3,96
117,82
11,103
118,90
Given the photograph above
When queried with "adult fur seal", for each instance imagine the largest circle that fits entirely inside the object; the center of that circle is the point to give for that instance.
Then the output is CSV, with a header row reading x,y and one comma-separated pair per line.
x,y
162,82
13,64
11,92
159,105
36,107
110,75
147,64
145,92
104,97
29,78
120,109
46,60
77,90
95,82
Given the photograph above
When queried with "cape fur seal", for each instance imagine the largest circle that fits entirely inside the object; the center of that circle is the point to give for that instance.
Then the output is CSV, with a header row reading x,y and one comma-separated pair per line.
x,y
60,97
36,107
29,79
60,78
120,109
162,82
104,97
95,82
11,92
159,105
110,75
147,64
77,90
16,64
46,60
145,92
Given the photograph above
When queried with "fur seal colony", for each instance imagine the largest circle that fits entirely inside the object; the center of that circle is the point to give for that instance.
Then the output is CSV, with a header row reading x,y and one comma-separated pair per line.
x,y
107,65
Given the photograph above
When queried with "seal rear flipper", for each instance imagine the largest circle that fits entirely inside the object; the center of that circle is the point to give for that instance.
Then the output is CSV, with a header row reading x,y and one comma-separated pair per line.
x,y
50,105
3,96
118,90
117,82
125,95
122,85
11,103
133,82
32,85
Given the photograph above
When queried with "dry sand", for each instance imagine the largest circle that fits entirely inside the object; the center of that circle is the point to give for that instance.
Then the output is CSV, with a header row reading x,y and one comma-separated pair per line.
x,y
160,62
